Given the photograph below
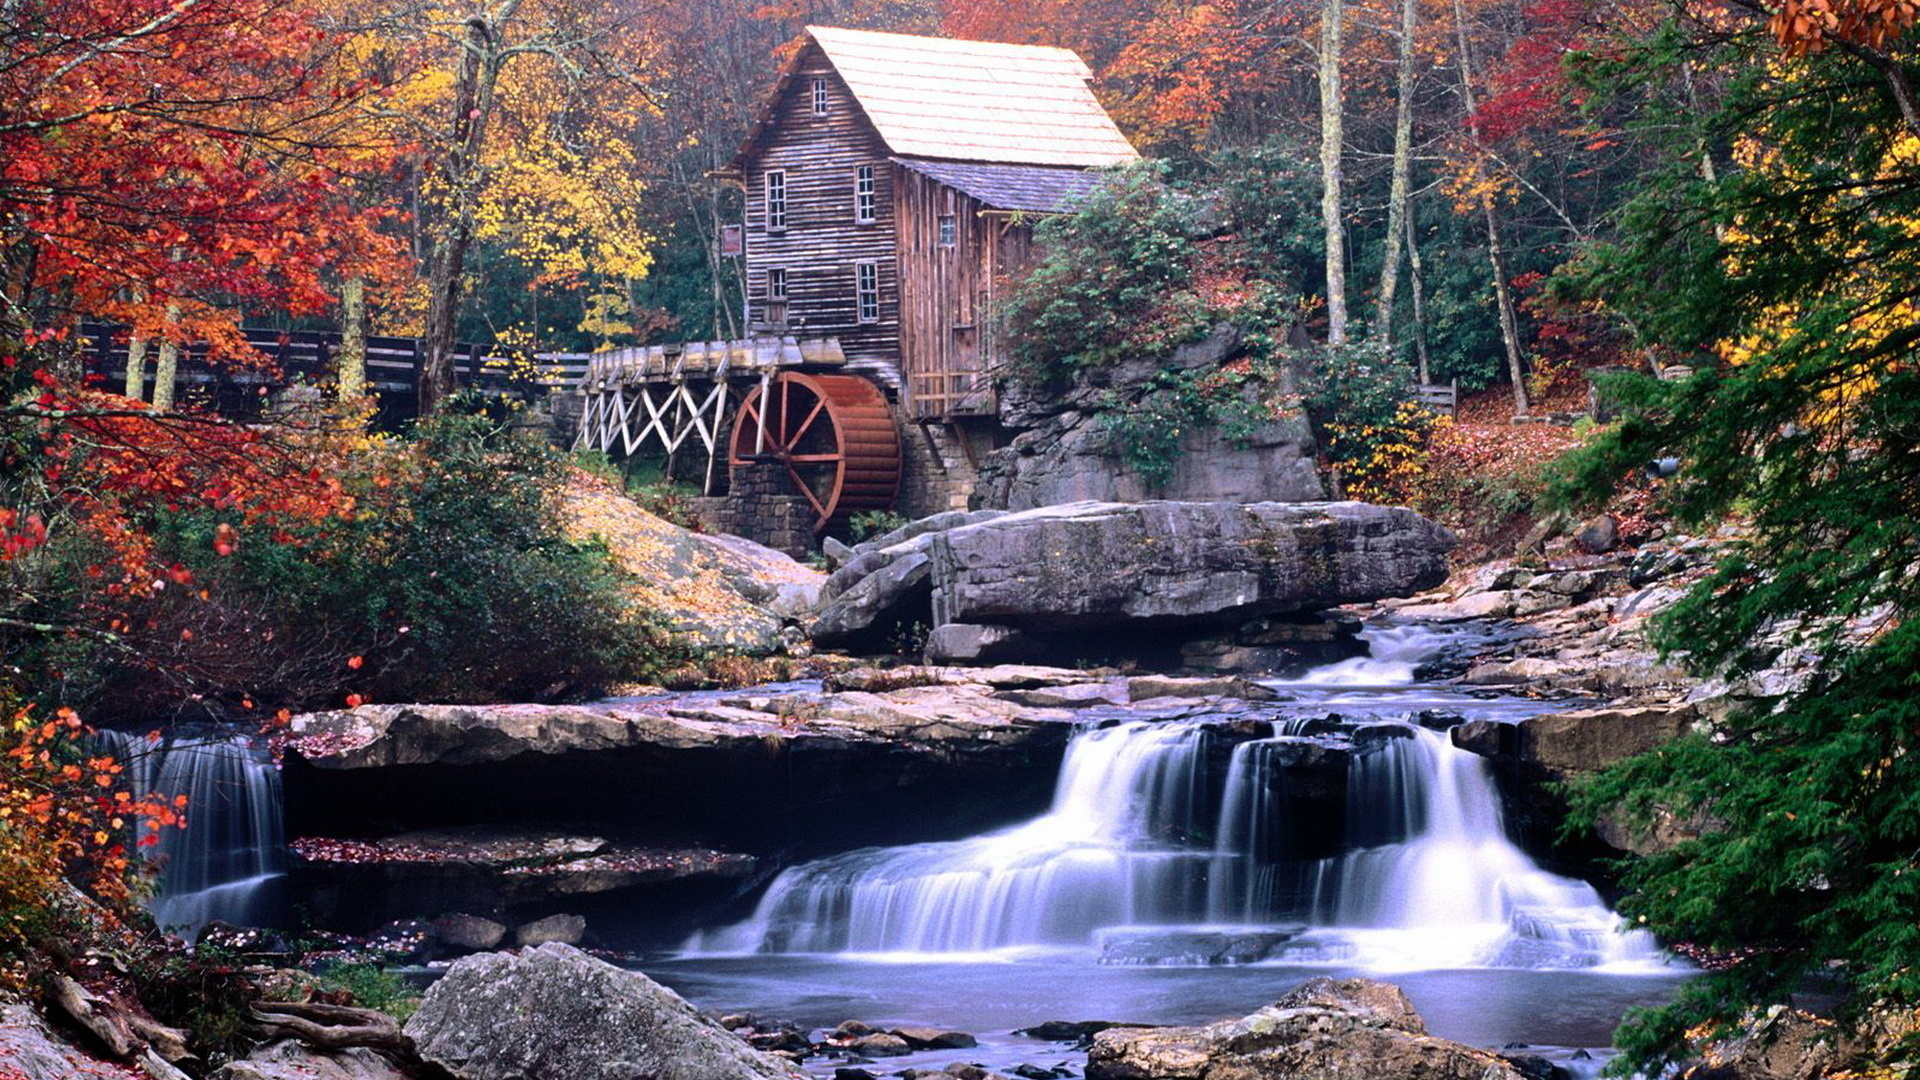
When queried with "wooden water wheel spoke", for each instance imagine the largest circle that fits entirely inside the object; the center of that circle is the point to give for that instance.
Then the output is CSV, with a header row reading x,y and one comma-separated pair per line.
x,y
800,484
801,431
835,437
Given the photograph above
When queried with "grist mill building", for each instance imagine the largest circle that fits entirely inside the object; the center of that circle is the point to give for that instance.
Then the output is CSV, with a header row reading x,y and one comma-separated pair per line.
x,y
891,183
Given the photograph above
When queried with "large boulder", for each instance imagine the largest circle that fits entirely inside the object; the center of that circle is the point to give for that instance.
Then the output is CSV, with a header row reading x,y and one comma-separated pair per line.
x,y
713,591
1135,566
1326,1028
555,1013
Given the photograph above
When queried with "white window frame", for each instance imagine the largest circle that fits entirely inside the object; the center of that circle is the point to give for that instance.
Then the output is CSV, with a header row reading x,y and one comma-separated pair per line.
x,y
819,96
776,200
776,283
949,235
866,199
866,291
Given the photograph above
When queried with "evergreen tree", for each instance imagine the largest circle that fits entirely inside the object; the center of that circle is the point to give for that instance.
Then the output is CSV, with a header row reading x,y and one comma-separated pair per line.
x,y
1779,255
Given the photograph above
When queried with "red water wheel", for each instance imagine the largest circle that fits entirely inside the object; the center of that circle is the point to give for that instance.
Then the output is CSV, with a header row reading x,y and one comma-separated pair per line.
x,y
835,436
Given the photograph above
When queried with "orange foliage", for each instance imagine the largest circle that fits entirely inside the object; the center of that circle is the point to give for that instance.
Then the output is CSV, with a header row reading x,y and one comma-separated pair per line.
x,y
65,814
1807,26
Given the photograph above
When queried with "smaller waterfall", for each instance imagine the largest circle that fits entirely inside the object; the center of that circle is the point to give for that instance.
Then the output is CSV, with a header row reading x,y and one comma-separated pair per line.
x,y
225,865
1437,880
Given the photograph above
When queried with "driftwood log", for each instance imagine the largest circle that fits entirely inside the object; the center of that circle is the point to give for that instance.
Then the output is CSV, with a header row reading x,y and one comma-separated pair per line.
x,y
331,1027
127,1033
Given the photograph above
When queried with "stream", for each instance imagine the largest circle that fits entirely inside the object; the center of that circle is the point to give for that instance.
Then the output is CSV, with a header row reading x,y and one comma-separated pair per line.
x,y
1147,894
1175,878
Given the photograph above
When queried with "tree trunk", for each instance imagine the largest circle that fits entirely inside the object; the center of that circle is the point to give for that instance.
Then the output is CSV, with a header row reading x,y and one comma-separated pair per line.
x,y
166,370
459,168
1509,323
136,384
1402,176
352,359
1419,304
1332,138
1496,255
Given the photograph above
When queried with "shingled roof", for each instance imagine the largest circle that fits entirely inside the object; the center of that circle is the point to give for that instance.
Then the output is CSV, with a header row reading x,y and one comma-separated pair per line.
x,y
1038,188
972,101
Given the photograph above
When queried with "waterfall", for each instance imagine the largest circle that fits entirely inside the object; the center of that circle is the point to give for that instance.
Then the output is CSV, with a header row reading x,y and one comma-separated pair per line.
x,y
226,864
1115,848
1139,841
1437,875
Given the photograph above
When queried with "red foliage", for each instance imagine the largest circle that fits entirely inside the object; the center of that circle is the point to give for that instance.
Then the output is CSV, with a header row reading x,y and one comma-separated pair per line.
x,y
163,163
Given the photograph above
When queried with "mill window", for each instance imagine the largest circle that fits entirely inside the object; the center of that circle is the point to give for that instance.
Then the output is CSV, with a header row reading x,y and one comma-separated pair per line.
x,y
949,233
866,288
863,202
819,97
776,199
777,283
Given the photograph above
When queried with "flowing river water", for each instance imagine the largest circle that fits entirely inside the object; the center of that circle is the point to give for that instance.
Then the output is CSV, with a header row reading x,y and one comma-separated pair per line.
x,y
1149,892
1158,888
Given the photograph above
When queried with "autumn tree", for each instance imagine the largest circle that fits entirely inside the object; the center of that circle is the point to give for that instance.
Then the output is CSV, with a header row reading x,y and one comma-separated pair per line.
x,y
162,165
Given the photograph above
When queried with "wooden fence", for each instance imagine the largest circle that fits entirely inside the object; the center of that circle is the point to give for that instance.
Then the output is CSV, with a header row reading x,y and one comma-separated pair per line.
x,y
308,356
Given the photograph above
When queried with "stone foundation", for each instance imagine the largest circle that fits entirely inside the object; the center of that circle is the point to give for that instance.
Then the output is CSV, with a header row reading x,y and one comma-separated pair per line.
x,y
759,505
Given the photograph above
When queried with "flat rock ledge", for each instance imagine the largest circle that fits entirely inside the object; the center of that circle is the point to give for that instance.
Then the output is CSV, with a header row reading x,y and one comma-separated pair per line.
x,y
555,1013
985,584
1326,1028
875,752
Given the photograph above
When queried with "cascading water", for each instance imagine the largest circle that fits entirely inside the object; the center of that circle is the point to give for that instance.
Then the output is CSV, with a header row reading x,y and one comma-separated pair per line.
x,y
1140,839
226,864
1111,850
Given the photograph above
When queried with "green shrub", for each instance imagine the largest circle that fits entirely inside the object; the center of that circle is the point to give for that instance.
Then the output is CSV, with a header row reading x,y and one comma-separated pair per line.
x,y
374,987
451,580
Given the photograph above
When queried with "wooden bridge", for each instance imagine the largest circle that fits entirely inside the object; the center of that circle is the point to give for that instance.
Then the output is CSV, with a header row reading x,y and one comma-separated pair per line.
x,y
308,356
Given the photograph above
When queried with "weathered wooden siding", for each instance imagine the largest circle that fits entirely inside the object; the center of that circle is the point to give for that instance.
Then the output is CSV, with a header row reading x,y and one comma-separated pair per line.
x,y
822,242
949,295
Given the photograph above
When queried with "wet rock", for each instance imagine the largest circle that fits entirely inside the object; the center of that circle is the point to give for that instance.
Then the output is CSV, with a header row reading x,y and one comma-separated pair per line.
x,y
881,1045
736,1021
960,643
1095,565
854,1073
470,932
1146,945
1078,696
927,1038
1134,566
785,1039
1072,1030
554,929
1325,1028
1535,1067
1599,536
1148,687
850,1029
555,1013
1038,1072
1578,741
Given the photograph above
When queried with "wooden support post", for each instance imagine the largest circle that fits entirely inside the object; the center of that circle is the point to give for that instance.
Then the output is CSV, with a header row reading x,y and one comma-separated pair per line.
x,y
766,391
